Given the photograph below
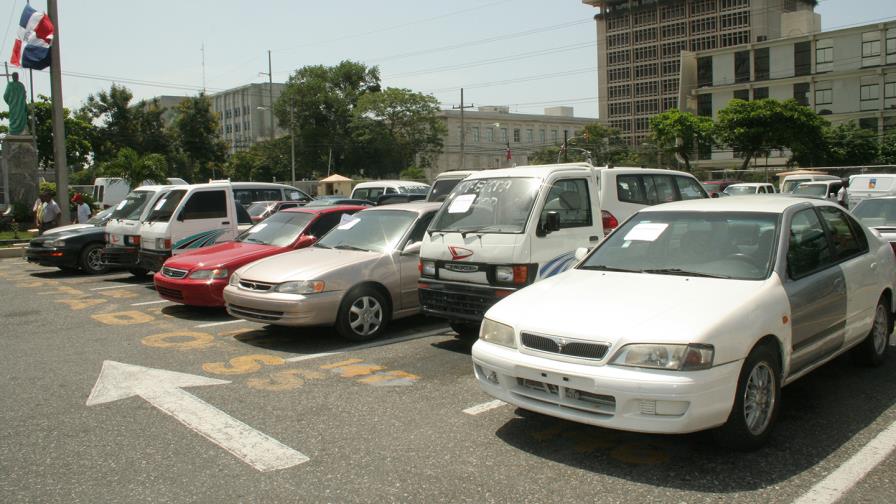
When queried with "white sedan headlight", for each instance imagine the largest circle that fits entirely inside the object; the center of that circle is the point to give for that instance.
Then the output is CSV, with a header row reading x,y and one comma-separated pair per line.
x,y
209,274
658,356
497,333
300,287
234,279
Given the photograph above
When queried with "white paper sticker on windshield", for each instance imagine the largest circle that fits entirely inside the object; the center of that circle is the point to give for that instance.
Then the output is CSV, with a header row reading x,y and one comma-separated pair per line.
x,y
462,203
258,227
646,231
346,217
121,205
349,224
160,203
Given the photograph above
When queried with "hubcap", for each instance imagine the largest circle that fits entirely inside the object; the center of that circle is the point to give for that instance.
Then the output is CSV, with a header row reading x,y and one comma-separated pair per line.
x,y
365,315
879,331
759,398
93,260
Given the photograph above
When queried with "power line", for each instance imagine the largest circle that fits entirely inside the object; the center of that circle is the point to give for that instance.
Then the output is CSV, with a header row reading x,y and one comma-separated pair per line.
x,y
516,80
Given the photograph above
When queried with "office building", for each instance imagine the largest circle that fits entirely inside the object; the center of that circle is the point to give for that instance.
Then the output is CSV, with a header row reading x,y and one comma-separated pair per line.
x,y
245,114
639,46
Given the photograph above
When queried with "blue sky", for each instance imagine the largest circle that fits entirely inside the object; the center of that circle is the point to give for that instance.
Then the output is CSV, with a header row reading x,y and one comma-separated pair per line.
x,y
524,53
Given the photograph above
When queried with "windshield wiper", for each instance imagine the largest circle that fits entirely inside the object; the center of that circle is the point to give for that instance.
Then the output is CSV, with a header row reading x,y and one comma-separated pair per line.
x,y
254,240
321,245
681,272
344,246
604,267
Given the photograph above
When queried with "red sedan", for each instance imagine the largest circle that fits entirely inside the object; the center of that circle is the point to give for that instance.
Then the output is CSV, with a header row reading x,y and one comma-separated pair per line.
x,y
198,277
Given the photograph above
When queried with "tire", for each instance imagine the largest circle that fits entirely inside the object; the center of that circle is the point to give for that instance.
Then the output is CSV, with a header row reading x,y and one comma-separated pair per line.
x,y
138,272
363,315
873,349
467,331
90,259
758,388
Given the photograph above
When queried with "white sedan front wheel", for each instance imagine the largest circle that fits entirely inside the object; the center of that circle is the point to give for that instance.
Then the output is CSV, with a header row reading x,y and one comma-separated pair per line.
x,y
756,401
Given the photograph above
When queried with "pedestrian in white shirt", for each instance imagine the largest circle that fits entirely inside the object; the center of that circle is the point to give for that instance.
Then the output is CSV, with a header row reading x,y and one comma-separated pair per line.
x,y
50,214
83,209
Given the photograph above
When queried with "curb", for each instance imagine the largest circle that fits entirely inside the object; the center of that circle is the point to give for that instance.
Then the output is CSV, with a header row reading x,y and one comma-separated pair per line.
x,y
11,252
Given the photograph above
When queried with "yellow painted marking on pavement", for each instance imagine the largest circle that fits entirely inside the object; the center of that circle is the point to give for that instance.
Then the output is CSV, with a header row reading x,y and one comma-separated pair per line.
x,y
242,365
120,293
63,289
123,318
80,304
390,378
643,453
37,283
353,370
284,380
341,363
179,340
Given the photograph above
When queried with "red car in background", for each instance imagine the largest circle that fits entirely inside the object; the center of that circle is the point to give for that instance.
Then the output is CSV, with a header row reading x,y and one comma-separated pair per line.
x,y
198,277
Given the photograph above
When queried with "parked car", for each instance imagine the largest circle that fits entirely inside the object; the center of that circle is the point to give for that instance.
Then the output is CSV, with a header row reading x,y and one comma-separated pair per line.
x,y
198,277
261,210
793,179
715,187
747,188
337,200
247,192
391,199
824,189
879,214
372,190
72,250
625,340
445,183
866,186
358,277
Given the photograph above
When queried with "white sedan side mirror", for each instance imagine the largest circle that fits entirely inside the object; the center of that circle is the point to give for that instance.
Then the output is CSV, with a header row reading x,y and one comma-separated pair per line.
x,y
581,252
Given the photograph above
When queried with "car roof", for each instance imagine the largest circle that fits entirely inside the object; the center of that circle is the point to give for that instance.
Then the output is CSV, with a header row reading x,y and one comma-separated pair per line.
x,y
650,171
323,209
750,184
414,206
818,182
751,203
374,183
538,171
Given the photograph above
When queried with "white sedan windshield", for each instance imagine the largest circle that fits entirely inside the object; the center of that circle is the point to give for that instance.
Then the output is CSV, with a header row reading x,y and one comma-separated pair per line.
x,y
714,244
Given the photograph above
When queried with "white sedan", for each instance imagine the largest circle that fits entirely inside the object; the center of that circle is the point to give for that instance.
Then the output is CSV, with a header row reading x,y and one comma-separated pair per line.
x,y
692,316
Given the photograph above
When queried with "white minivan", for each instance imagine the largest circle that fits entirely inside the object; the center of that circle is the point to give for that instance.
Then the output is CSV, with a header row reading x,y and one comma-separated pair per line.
x,y
247,193
187,218
791,182
371,191
865,186
123,229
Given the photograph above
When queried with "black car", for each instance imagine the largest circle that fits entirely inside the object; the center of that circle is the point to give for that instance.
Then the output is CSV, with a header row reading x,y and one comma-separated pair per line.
x,y
70,250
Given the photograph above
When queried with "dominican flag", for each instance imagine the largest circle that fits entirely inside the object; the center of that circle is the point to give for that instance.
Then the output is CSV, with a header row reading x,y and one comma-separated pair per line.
x,y
507,153
32,46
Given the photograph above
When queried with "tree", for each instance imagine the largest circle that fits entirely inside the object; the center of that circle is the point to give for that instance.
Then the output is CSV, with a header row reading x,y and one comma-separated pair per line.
x,y
264,161
412,173
410,121
79,132
849,145
318,103
888,148
197,132
117,125
135,168
756,128
603,145
679,133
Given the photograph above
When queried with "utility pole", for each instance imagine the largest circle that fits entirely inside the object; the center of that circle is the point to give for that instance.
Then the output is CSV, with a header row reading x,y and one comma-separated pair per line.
x,y
463,133
203,67
58,117
271,93
565,146
292,141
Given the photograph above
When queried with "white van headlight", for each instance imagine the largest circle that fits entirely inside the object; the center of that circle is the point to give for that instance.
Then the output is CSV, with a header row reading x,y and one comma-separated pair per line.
x,y
497,333
300,287
673,357
428,268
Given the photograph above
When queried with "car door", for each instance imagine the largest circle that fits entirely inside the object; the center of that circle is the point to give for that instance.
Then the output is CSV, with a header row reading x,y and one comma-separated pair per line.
x,y
409,261
816,289
202,221
554,252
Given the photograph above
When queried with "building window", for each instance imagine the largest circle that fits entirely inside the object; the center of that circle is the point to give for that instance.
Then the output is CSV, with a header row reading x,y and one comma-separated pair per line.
x,y
617,40
891,45
670,12
704,71
734,20
673,49
870,44
868,123
516,135
670,86
734,38
869,94
618,74
670,102
801,93
742,66
618,22
646,16
645,53
646,106
541,137
824,55
618,57
734,4
504,135
703,43
623,125
890,90
475,133
702,6
489,135
645,35
645,71
671,67
760,93
554,136
649,88
761,64
675,30
530,136
704,105
742,94
642,124
802,60
824,96
620,91
703,25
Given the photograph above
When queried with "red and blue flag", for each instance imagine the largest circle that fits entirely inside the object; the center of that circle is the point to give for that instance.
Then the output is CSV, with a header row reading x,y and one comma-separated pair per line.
x,y
32,45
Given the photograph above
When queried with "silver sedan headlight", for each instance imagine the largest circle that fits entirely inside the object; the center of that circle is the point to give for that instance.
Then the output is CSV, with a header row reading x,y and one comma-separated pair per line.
x,y
497,333
300,287
690,357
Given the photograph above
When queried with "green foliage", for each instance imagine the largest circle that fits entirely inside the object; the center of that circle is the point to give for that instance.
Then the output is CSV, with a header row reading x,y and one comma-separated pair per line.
x,y
264,162
118,126
79,134
756,128
135,168
412,173
603,145
678,133
197,132
847,144
887,148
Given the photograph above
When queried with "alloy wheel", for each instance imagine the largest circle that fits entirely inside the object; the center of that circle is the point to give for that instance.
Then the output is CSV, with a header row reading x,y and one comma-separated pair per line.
x,y
365,315
879,331
759,398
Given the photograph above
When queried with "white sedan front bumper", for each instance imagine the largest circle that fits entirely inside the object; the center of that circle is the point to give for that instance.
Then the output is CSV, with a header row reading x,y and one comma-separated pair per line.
x,y
616,397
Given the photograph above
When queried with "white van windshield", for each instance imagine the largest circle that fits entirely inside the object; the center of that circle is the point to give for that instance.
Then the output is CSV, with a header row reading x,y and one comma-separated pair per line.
x,y
494,205
132,205
166,205
811,189
790,185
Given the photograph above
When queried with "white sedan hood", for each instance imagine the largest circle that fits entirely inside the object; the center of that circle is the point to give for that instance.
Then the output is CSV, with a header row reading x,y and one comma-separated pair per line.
x,y
624,308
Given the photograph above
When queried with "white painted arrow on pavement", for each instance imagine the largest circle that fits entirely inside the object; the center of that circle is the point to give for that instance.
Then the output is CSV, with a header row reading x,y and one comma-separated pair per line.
x,y
162,389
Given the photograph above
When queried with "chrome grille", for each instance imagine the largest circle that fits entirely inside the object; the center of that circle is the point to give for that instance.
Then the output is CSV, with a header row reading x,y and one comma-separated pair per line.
x,y
173,273
561,346
256,286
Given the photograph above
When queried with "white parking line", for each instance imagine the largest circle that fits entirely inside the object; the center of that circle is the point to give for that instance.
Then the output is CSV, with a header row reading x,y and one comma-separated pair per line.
x,y
120,286
836,484
374,344
213,324
482,408
150,302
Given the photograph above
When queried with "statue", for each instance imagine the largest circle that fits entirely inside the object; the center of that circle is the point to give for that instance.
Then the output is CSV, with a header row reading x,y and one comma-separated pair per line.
x,y
15,97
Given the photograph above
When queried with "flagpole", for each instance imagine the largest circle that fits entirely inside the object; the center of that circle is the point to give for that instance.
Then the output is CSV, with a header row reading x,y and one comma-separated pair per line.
x,y
58,116
33,111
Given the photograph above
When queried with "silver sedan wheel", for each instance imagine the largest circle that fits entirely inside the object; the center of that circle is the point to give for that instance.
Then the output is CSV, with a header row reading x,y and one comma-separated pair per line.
x,y
365,316
759,398
879,331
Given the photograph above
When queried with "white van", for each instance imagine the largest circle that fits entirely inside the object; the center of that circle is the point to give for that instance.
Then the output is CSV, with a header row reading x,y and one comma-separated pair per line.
x,y
790,182
824,189
445,182
123,228
371,191
748,188
247,193
187,218
109,191
865,186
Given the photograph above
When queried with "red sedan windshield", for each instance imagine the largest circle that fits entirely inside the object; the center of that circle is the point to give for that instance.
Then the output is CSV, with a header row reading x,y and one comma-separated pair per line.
x,y
278,230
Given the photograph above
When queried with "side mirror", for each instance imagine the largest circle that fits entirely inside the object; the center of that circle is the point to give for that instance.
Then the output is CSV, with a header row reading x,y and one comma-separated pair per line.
x,y
180,217
412,248
551,222
306,241
581,252
714,195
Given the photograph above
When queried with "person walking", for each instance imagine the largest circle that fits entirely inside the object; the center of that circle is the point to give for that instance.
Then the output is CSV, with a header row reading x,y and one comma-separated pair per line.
x,y
83,208
50,213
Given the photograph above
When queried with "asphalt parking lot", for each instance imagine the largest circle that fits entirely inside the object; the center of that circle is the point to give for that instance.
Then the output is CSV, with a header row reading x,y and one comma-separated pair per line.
x,y
259,413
